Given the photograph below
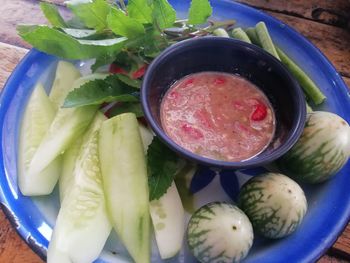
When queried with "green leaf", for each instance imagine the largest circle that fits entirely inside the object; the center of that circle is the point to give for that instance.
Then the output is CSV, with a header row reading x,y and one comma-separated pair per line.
x,y
162,166
123,25
98,91
79,33
134,107
140,10
130,82
52,15
199,12
57,43
92,13
164,14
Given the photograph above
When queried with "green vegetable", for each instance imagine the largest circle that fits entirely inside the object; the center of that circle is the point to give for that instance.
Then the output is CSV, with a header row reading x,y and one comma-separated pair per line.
x,y
265,39
274,203
163,14
38,116
162,167
82,226
238,33
67,126
251,33
57,43
219,232
140,10
98,91
199,12
321,151
167,213
92,13
52,15
133,107
124,173
124,25
309,87
66,74
220,32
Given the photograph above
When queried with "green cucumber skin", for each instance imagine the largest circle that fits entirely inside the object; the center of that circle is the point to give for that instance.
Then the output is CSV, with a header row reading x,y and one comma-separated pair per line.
x,y
124,173
274,203
321,151
82,226
218,233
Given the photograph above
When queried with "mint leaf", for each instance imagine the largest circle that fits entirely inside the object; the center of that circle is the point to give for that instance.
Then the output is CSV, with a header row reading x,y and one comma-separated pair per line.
x,y
130,82
164,14
134,107
92,13
140,10
199,12
97,91
57,43
123,25
52,15
162,165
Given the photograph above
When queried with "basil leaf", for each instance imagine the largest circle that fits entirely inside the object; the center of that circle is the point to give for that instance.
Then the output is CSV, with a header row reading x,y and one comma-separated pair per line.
x,y
101,90
123,25
140,10
92,13
57,43
199,12
162,165
79,33
52,15
164,14
134,107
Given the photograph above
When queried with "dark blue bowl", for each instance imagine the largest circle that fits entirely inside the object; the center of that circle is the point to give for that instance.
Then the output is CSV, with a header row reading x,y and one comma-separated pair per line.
x,y
235,57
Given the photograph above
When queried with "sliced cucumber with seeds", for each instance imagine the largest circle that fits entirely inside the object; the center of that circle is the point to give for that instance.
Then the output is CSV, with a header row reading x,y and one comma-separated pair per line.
x,y
66,74
37,119
219,232
274,203
66,127
82,226
125,182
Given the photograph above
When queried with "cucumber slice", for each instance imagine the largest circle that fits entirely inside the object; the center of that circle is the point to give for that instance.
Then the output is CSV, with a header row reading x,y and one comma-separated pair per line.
x,y
68,125
37,118
82,225
71,155
66,74
124,174
167,213
168,218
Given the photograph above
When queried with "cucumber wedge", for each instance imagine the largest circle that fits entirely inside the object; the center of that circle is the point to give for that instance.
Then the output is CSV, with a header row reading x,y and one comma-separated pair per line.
x,y
70,157
68,125
167,213
37,118
124,174
82,225
66,74
168,217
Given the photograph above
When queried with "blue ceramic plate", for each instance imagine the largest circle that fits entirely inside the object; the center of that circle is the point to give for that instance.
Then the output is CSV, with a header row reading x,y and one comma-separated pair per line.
x,y
329,203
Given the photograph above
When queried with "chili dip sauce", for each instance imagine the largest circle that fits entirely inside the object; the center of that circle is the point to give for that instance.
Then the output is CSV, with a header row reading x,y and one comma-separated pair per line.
x,y
218,115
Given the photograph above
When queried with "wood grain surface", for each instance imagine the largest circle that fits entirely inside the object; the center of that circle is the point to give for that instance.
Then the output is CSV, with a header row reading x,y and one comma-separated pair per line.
x,y
324,22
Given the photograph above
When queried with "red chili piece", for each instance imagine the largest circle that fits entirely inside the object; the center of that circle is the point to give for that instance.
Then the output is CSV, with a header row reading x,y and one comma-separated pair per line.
x,y
188,82
139,72
114,69
192,132
260,112
219,81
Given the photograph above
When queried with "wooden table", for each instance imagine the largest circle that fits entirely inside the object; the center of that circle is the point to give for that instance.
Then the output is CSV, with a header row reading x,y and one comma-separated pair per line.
x,y
325,22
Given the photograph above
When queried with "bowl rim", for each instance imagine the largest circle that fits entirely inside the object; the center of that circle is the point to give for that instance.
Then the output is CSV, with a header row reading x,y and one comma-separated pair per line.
x,y
295,132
